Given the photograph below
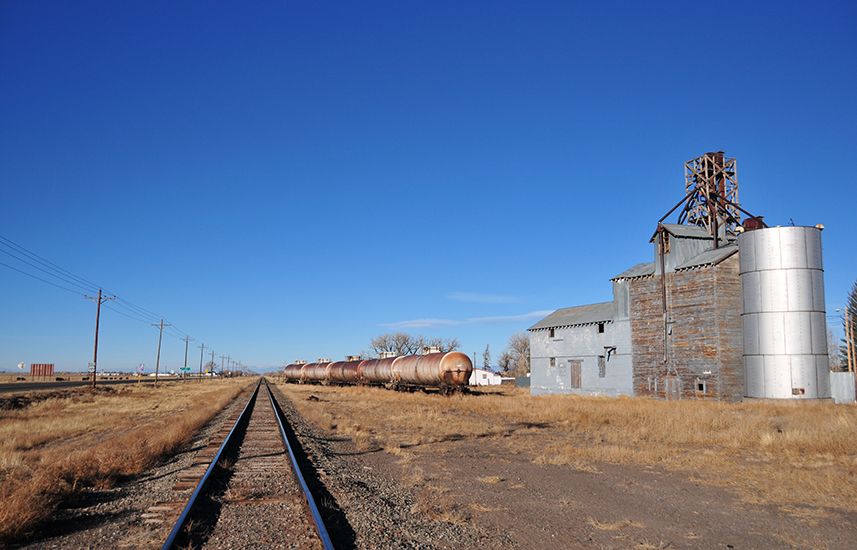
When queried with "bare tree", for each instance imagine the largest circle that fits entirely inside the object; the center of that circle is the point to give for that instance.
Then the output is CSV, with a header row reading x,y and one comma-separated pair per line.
x,y
516,358
402,343
444,345
506,362
834,358
382,343
399,343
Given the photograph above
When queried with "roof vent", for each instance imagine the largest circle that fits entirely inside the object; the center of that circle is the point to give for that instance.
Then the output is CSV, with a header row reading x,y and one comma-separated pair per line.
x,y
430,349
387,354
353,358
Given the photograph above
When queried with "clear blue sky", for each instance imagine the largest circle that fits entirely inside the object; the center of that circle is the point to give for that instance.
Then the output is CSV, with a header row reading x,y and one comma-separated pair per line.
x,y
285,180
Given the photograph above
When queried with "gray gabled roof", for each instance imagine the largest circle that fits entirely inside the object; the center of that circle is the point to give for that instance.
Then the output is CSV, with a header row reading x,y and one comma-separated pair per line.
x,y
709,257
579,315
639,270
684,231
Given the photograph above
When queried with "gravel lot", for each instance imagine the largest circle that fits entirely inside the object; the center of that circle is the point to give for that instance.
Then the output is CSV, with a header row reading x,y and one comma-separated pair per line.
x,y
370,508
491,490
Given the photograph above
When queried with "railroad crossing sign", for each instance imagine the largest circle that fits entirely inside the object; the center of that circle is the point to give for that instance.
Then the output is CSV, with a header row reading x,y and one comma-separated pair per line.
x,y
21,365
91,367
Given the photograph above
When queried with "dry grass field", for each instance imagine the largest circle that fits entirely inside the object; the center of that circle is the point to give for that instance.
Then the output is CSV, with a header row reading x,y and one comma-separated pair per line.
x,y
50,447
793,455
12,377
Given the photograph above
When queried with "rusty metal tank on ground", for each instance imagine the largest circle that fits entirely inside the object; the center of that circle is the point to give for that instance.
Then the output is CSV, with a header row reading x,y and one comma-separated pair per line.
x,y
451,369
343,372
314,372
377,371
785,332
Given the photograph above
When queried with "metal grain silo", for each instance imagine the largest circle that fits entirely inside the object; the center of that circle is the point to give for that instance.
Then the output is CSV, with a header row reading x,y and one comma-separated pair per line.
x,y
785,333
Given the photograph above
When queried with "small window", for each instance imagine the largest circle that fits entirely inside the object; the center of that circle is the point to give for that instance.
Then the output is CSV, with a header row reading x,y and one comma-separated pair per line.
x,y
602,367
553,362
701,387
600,328
552,333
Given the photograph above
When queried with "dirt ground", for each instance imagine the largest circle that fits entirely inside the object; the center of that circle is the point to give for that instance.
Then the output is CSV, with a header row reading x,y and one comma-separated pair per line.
x,y
500,481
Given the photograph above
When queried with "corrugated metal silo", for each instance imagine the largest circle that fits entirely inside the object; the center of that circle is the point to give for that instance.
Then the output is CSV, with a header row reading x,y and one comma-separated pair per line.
x,y
785,333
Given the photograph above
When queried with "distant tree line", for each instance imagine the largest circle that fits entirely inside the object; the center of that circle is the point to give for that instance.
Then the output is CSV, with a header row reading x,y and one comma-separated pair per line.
x,y
402,343
514,361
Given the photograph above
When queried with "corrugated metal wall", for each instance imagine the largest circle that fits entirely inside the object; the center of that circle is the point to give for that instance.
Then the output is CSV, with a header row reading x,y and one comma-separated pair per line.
x,y
842,387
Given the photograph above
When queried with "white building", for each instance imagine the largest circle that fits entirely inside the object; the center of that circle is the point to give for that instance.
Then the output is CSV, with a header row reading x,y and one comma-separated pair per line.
x,y
584,349
482,377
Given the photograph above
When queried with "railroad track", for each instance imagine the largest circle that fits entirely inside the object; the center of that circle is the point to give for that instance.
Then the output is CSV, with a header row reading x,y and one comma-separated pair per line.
x,y
252,492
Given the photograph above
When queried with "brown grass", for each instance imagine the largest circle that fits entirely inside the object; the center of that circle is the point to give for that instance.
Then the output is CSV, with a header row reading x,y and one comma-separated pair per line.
x,y
781,453
53,448
437,504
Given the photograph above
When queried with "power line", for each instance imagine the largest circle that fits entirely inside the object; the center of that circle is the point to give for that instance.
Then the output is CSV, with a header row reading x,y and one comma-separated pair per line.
x,y
121,306
143,311
51,273
54,270
77,292
120,312
44,261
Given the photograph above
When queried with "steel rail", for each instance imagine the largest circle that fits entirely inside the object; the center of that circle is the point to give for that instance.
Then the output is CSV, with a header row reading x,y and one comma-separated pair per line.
x,y
201,486
310,501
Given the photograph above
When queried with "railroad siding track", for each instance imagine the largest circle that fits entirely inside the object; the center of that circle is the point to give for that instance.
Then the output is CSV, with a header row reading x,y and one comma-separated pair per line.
x,y
251,496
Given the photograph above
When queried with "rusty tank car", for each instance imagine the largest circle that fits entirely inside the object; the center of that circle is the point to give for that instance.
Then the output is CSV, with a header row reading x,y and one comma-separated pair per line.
x,y
448,370
315,372
292,372
377,371
343,372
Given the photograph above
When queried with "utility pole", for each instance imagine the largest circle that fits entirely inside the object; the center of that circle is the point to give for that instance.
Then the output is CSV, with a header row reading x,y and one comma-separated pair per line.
x,y
187,340
161,326
201,350
100,299
212,359
849,341
228,362
222,357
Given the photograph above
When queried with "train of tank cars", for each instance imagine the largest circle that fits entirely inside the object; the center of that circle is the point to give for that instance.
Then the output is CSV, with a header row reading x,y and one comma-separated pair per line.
x,y
448,372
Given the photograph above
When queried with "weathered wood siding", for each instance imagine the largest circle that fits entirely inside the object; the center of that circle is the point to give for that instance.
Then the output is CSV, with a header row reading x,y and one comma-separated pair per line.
x,y
706,338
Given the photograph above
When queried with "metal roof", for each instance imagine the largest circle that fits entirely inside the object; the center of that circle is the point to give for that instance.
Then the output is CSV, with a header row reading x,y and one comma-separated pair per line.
x,y
639,270
579,315
709,257
684,231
